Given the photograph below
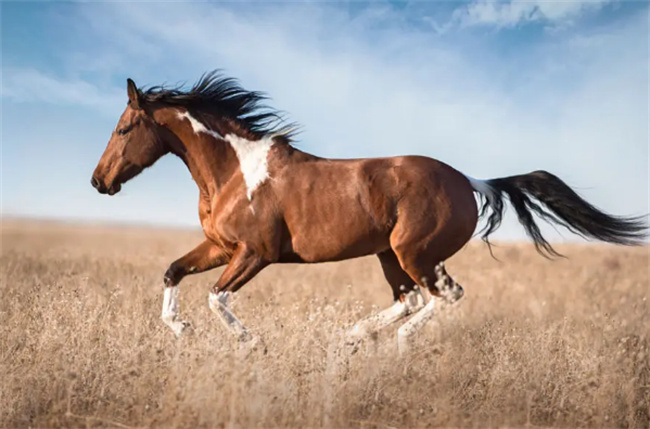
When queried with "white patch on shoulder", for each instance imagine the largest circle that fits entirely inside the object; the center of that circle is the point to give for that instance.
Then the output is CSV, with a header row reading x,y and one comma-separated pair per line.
x,y
253,160
197,126
252,155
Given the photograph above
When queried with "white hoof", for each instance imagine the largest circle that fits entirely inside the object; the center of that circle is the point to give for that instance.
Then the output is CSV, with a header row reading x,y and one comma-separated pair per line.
x,y
251,344
179,327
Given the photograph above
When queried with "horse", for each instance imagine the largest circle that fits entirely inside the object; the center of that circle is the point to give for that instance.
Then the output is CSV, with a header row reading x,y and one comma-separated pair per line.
x,y
263,201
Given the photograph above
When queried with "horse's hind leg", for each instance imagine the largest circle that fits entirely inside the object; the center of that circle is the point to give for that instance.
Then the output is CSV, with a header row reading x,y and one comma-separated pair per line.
x,y
443,288
436,219
407,295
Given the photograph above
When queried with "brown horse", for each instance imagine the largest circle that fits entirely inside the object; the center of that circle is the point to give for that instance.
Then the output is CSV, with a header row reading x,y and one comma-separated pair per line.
x,y
263,201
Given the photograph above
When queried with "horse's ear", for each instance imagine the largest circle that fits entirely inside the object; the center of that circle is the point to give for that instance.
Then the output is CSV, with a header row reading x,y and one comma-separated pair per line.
x,y
134,95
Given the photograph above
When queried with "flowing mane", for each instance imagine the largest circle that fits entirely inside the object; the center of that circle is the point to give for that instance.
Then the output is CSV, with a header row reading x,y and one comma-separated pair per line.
x,y
223,96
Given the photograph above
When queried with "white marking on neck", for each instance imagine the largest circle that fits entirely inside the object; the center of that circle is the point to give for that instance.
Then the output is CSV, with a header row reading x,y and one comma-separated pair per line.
x,y
197,126
252,154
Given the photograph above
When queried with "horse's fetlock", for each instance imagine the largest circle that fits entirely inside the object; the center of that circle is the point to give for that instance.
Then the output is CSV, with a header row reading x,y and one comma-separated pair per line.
x,y
173,275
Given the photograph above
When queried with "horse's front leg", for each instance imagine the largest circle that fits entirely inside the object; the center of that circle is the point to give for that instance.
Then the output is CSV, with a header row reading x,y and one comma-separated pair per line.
x,y
243,266
205,256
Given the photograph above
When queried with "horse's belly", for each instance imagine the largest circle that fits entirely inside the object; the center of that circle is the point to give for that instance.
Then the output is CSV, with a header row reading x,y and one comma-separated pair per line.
x,y
336,235
318,249
337,210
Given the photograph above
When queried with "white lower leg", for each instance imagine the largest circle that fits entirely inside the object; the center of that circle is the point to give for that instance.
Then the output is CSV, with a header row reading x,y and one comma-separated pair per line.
x,y
412,326
413,301
170,311
219,306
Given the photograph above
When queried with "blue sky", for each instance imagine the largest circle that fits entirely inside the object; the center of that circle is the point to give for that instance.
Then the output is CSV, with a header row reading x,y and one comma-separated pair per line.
x,y
493,89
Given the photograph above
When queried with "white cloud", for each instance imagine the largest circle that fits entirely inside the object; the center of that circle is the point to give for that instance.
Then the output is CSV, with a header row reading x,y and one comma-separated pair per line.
x,y
31,85
515,12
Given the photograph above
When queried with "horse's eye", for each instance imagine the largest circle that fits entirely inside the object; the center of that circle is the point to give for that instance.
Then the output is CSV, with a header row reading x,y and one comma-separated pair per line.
x,y
123,131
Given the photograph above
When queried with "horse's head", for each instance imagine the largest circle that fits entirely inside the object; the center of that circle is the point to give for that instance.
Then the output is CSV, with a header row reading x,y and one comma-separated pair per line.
x,y
135,144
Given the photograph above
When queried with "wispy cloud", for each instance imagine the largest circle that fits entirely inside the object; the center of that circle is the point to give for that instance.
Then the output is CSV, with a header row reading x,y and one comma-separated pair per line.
x,y
516,12
25,85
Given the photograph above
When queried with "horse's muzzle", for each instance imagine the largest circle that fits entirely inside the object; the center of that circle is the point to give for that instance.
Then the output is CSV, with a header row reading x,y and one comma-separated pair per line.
x,y
103,189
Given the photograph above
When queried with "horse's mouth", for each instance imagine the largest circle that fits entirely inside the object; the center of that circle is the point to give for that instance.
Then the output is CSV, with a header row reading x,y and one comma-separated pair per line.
x,y
114,189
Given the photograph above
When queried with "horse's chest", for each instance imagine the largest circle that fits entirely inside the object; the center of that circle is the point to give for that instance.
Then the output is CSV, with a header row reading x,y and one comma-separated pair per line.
x,y
214,231
224,219
208,228
207,220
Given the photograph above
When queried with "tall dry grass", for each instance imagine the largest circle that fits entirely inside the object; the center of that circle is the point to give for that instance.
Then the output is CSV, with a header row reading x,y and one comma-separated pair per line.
x,y
533,344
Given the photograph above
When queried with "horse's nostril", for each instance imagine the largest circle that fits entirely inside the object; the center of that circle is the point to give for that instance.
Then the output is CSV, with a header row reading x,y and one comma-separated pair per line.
x,y
94,182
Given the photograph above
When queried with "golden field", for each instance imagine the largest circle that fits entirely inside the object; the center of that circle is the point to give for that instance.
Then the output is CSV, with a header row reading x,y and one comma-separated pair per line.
x,y
534,343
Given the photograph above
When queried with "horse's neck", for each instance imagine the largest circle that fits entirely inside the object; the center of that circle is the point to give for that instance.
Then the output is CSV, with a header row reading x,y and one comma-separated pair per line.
x,y
211,160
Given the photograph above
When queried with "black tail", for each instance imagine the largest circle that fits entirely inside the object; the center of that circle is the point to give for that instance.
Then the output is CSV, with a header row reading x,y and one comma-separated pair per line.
x,y
560,205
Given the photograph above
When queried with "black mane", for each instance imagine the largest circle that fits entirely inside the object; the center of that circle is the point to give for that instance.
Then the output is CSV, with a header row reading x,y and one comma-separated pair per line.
x,y
220,95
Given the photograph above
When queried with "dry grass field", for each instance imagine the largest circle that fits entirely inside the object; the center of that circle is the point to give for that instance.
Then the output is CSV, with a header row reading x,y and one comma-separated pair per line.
x,y
534,343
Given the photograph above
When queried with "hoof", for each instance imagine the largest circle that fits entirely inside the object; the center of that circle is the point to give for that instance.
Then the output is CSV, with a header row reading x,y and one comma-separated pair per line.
x,y
352,346
182,329
353,339
187,328
249,344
